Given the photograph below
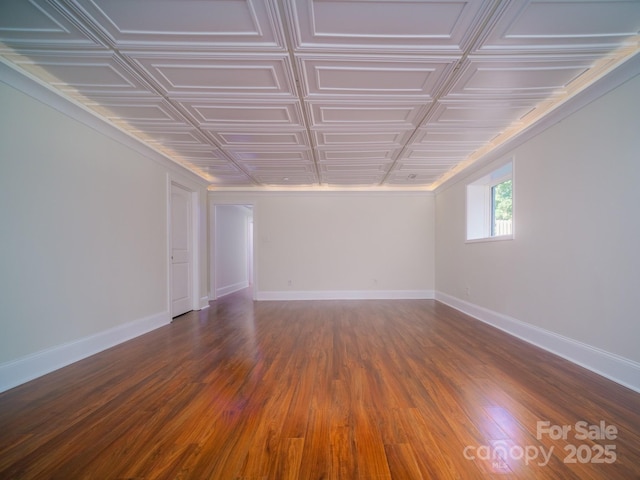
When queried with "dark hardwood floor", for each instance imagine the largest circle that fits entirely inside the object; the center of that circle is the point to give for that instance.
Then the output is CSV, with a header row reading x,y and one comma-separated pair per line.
x,y
328,389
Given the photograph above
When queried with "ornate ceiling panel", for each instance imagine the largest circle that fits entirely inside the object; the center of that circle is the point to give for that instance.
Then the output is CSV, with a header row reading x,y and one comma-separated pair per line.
x,y
320,93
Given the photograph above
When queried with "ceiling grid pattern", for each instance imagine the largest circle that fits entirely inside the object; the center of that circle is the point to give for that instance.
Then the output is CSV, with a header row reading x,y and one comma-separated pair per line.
x,y
320,93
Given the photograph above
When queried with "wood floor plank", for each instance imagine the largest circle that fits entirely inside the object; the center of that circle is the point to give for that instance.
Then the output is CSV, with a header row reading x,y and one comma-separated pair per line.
x,y
318,390
288,459
402,461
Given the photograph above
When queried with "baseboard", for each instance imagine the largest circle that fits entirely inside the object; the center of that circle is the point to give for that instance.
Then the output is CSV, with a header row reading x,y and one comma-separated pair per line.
x,y
32,366
204,302
345,295
222,291
614,367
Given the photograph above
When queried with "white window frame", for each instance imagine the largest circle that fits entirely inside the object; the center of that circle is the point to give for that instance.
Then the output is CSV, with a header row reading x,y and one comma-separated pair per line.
x,y
479,204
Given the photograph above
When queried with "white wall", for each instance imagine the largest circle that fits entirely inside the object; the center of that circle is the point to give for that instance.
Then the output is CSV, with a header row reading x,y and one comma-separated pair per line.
x,y
573,268
341,245
231,247
83,262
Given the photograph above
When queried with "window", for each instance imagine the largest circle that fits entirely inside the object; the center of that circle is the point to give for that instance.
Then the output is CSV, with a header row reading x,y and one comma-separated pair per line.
x,y
490,205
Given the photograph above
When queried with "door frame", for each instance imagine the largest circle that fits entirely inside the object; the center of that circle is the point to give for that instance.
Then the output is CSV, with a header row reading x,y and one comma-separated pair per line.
x,y
213,203
195,226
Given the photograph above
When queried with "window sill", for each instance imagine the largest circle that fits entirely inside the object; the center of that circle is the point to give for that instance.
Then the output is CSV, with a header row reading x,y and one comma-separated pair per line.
x,y
500,238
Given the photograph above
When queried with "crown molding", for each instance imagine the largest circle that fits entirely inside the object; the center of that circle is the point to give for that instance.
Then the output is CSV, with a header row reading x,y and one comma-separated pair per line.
x,y
28,84
319,191
623,71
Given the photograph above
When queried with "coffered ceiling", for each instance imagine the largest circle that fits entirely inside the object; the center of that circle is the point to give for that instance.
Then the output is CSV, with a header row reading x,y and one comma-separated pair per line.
x,y
320,93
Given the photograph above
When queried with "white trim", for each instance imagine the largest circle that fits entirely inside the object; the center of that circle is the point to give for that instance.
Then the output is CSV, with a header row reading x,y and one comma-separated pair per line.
x,y
195,229
28,84
479,206
214,191
204,302
626,70
499,238
195,248
213,245
614,367
346,295
214,202
222,291
22,370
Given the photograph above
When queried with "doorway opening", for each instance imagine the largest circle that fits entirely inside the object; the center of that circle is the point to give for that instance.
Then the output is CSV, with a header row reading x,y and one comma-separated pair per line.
x,y
233,250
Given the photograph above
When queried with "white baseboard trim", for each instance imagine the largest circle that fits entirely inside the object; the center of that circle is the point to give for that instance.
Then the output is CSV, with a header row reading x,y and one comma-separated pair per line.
x,y
222,291
345,295
204,302
32,366
614,367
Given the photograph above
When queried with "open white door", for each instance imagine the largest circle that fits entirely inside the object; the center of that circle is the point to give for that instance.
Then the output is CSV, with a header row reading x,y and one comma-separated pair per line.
x,y
181,255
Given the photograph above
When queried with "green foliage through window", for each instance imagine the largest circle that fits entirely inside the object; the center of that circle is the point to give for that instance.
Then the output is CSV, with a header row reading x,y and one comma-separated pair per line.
x,y
502,208
490,205
503,200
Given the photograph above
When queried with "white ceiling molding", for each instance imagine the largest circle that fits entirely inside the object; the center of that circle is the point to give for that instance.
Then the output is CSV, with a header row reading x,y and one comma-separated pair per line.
x,y
628,68
35,88
322,94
